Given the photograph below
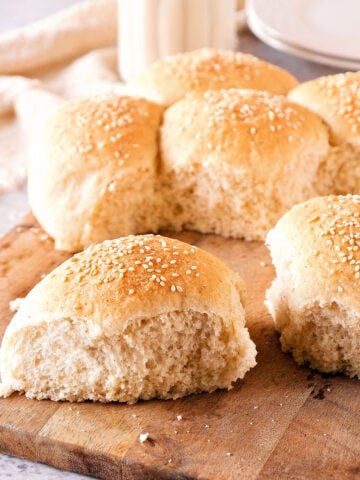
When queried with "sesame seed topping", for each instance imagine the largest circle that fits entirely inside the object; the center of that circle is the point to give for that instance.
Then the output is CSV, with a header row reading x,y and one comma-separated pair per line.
x,y
127,260
339,226
143,437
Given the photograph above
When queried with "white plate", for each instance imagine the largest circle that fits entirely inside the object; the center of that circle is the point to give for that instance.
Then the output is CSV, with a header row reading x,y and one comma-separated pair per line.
x,y
325,31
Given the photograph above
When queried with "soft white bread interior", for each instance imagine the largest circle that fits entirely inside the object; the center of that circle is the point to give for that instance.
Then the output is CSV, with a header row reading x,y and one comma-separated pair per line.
x,y
169,80
133,318
315,299
336,99
92,170
234,161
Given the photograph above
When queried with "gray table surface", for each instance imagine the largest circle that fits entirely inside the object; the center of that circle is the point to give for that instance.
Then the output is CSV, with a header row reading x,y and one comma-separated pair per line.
x,y
14,204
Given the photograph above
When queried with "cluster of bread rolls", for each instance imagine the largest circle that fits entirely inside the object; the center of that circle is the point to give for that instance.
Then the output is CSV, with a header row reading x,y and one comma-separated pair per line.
x,y
216,146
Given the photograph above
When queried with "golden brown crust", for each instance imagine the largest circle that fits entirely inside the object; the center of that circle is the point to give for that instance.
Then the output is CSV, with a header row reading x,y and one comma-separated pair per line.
x,y
118,281
169,80
336,99
91,150
319,241
257,131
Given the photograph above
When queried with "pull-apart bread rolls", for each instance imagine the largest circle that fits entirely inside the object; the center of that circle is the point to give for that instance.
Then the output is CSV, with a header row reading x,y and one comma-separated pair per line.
x,y
168,80
128,319
92,170
336,99
235,160
315,298
229,162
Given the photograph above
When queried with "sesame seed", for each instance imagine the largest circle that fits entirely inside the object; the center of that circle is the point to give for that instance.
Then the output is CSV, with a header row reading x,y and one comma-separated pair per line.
x,y
143,437
131,291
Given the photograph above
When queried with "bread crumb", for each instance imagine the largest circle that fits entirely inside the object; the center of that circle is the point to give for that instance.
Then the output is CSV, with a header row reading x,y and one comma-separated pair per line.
x,y
15,304
143,437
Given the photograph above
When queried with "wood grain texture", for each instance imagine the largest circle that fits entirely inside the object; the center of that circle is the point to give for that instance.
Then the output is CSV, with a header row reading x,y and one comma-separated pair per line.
x,y
281,422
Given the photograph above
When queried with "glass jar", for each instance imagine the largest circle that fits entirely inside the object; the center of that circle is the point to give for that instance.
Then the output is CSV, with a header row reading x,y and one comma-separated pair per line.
x,y
149,30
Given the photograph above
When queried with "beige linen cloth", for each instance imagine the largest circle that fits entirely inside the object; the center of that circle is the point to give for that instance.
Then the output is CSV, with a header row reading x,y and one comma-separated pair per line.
x,y
70,54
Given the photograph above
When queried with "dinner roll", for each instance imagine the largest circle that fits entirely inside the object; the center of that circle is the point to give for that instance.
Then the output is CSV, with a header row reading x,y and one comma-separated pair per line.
x,y
336,99
233,161
133,318
92,170
168,80
315,298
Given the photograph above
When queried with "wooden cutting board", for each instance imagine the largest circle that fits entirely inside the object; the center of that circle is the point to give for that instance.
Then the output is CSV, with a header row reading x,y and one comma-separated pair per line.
x,y
281,422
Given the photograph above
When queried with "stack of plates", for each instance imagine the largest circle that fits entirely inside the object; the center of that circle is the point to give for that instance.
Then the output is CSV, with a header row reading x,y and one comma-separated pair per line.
x,y
323,31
